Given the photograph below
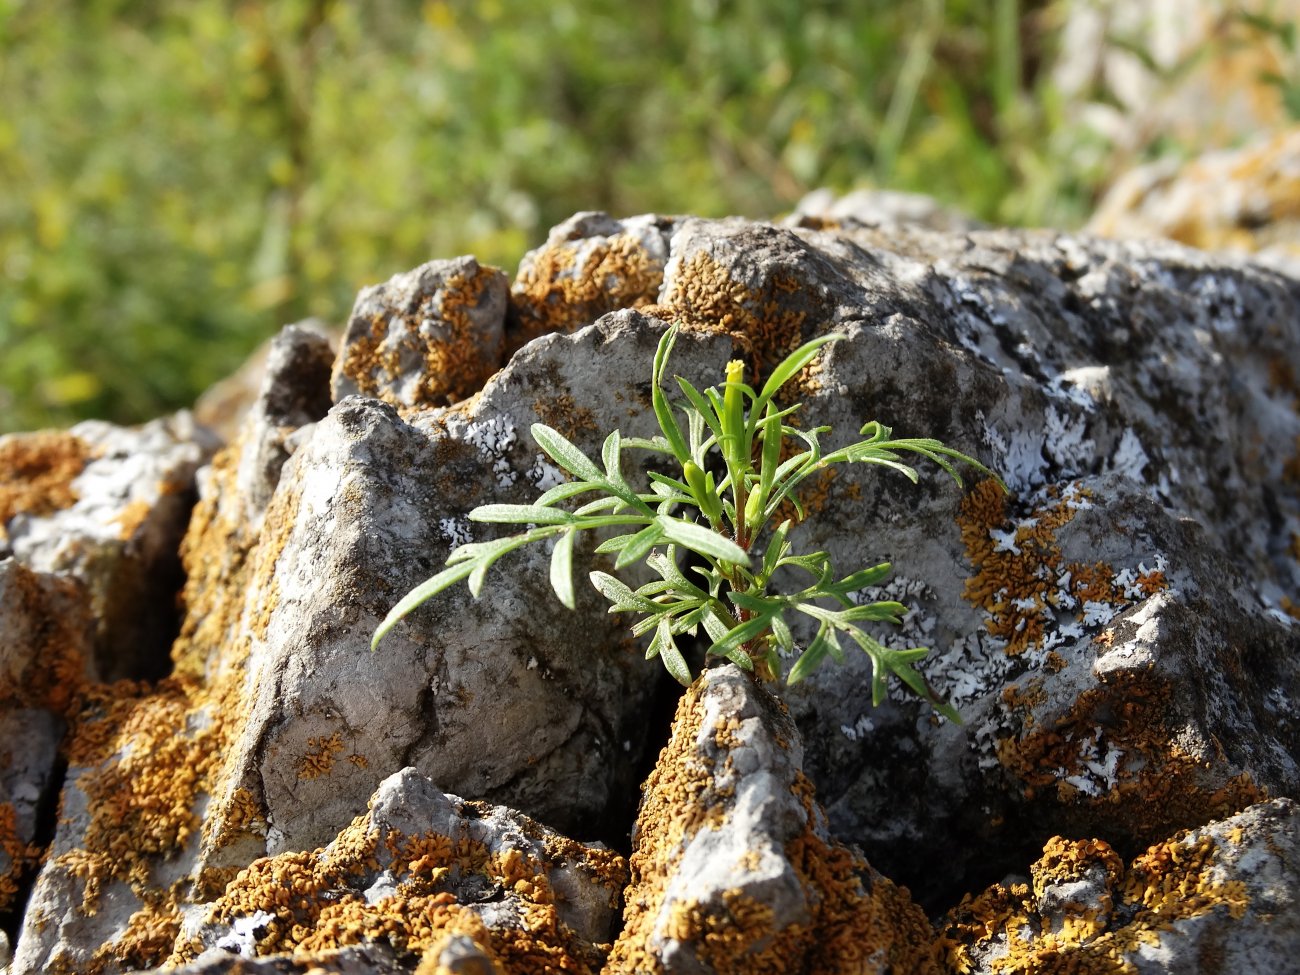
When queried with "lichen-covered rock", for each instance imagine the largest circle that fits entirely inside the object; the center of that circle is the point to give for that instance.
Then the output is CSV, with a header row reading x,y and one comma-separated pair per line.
x,y
46,663
143,760
428,337
107,505
419,869
590,265
1221,899
733,868
365,959
823,209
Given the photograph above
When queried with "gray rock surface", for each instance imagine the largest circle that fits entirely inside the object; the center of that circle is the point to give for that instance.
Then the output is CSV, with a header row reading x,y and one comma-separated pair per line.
x,y
1118,633
1220,899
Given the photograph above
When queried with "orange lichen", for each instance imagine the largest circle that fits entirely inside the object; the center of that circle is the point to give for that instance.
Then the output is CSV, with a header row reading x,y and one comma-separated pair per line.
x,y
562,413
20,855
762,323
555,293
313,901
1153,784
51,673
1022,930
453,366
37,471
1022,580
320,760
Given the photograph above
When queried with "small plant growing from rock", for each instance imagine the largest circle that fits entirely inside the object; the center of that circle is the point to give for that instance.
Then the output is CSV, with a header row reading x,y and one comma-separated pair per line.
x,y
721,520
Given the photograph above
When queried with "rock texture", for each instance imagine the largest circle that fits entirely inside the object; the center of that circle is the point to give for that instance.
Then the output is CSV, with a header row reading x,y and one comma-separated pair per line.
x,y
1118,633
107,506
430,875
733,867
1218,899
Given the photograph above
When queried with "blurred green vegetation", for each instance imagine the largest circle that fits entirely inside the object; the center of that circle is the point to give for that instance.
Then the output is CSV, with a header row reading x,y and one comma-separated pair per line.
x,y
179,179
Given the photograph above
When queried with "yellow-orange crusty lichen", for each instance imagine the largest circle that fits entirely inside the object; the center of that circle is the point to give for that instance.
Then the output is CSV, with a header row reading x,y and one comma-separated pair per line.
x,y
762,323
320,760
1016,932
453,367
569,284
1018,580
50,674
21,855
856,916
1152,784
561,412
37,471
311,901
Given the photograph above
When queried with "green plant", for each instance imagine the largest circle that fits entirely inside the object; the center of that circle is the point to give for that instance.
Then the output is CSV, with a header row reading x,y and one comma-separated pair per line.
x,y
721,521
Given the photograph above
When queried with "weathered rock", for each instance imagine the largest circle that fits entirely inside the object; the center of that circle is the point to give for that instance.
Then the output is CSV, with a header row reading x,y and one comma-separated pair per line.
x,y
425,338
107,505
143,761
1218,899
421,868
46,662
824,210
223,406
590,265
366,959
733,867
1117,633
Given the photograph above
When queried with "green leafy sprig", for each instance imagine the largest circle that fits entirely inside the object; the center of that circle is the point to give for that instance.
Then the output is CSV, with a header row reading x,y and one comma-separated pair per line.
x,y
723,520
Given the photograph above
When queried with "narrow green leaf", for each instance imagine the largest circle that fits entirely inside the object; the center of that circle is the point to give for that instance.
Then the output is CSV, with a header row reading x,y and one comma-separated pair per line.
x,y
883,612
781,630
621,596
715,626
790,365
562,568
702,540
566,454
740,635
430,587
673,660
863,578
703,409
640,543
520,514
664,412
609,453
777,547
811,658
562,492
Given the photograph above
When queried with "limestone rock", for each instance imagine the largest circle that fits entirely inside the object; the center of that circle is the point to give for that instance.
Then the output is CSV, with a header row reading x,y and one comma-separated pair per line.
x,y
366,959
428,337
590,264
823,209
419,870
1214,900
46,662
733,868
107,505
222,406
143,760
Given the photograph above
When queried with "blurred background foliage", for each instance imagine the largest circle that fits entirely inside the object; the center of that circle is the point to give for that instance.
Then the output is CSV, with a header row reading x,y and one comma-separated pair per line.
x,y
178,179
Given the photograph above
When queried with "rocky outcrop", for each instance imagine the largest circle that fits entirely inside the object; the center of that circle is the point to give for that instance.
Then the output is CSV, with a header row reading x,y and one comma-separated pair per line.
x,y
1118,633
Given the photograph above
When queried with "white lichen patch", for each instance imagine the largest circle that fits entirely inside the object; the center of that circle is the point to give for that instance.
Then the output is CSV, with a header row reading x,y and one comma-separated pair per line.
x,y
493,438
456,530
1129,459
544,475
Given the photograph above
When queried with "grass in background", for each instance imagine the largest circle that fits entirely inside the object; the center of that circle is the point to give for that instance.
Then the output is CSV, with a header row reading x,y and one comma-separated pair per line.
x,y
180,179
